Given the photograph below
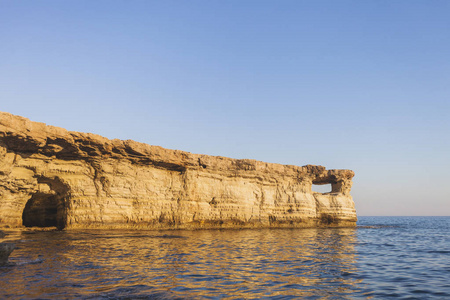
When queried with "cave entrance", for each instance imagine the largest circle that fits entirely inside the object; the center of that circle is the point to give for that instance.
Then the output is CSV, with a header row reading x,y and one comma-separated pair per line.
x,y
46,208
322,188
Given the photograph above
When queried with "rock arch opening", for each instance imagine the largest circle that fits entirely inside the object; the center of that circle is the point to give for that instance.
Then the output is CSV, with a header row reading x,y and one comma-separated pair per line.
x,y
46,208
322,188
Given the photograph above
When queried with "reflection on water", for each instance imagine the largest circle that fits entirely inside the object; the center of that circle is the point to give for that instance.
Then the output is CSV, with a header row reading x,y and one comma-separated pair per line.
x,y
183,264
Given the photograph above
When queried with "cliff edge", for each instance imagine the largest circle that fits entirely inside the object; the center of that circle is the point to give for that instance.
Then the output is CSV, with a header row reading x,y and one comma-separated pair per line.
x,y
53,177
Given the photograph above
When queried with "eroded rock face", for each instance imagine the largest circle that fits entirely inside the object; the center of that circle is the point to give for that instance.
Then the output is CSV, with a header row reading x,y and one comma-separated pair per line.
x,y
52,177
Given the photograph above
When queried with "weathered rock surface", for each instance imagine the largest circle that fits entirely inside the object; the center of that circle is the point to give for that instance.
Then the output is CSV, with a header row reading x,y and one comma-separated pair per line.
x,y
5,251
53,177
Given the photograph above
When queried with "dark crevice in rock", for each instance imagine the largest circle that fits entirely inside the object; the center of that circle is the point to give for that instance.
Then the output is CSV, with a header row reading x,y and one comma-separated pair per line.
x,y
47,208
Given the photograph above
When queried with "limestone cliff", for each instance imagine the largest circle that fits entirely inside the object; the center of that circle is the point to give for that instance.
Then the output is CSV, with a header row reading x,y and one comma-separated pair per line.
x,y
53,177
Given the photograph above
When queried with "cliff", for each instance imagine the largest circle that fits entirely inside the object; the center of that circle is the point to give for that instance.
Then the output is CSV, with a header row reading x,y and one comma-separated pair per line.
x,y
53,177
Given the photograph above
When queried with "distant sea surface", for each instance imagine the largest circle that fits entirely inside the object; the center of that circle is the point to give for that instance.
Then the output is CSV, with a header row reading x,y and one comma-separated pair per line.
x,y
383,258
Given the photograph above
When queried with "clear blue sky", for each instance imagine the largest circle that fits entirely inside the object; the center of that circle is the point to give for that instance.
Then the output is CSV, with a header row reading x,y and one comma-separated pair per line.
x,y
361,85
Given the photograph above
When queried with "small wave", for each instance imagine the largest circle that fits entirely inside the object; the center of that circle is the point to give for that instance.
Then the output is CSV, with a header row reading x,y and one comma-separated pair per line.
x,y
135,292
169,236
439,251
376,226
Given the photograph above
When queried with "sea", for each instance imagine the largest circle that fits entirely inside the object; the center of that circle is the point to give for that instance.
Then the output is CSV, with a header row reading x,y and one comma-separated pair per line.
x,y
382,258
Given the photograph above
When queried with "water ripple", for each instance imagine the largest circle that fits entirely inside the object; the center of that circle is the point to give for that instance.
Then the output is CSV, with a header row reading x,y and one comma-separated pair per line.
x,y
382,258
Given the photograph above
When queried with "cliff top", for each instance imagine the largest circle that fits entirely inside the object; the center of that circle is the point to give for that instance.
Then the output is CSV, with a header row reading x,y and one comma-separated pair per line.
x,y
21,135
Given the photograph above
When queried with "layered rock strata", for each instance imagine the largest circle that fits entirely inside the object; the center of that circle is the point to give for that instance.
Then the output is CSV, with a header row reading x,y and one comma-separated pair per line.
x,y
53,177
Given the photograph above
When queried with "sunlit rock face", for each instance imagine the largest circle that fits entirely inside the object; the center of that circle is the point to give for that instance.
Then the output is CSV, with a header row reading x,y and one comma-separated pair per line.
x,y
53,177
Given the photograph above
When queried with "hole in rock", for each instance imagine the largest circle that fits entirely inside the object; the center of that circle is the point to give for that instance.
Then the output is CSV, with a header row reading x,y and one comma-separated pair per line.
x,y
43,210
46,208
321,188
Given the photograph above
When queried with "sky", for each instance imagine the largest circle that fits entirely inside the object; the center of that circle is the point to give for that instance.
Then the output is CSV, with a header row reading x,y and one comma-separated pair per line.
x,y
360,85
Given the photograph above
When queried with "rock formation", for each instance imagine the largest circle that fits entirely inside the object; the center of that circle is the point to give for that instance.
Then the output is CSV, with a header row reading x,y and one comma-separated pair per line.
x,y
5,251
53,177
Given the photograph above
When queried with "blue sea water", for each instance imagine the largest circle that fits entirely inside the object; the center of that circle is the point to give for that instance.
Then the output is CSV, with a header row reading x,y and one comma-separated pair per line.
x,y
383,258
